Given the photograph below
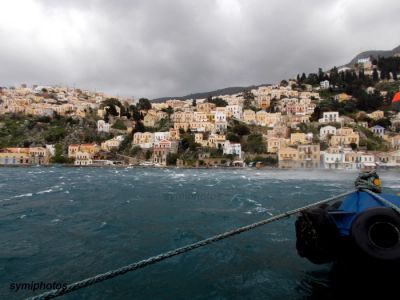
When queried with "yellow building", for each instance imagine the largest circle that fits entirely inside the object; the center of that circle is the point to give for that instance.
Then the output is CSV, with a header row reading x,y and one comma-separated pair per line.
x,y
395,141
200,117
309,156
216,140
305,156
91,149
345,131
149,120
298,138
39,155
287,157
274,144
201,126
14,156
249,116
174,134
268,119
205,107
182,117
181,125
344,137
112,144
376,115
343,97
263,101
83,159
143,138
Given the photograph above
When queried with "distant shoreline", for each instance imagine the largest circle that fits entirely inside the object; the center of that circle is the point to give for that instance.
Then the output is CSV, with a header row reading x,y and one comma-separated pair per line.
x,y
191,168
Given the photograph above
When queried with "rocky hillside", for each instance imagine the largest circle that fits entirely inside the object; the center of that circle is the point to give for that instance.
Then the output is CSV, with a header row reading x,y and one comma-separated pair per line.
x,y
375,53
201,95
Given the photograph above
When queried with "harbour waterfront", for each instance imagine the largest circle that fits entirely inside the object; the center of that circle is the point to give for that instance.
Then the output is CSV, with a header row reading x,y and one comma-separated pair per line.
x,y
64,224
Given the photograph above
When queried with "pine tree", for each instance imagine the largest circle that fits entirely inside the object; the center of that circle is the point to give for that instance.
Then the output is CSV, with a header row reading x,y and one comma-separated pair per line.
x,y
320,74
375,76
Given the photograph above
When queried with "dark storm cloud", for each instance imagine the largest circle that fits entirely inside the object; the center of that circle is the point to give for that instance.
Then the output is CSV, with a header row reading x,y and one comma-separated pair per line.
x,y
157,48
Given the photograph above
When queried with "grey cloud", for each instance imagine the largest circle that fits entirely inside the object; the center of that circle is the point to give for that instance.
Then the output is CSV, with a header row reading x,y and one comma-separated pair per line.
x,y
156,48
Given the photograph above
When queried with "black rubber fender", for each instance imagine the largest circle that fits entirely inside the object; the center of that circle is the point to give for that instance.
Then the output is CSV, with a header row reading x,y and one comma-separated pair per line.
x,y
376,232
316,236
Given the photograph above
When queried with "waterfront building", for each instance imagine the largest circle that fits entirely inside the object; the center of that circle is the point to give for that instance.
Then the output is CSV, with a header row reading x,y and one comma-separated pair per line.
x,y
232,148
161,151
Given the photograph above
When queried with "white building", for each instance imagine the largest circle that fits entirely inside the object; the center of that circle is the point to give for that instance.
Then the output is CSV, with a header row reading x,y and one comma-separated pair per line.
x,y
221,126
51,149
363,60
309,137
113,143
326,130
232,148
220,116
324,84
83,159
330,117
333,160
161,135
102,126
378,131
235,110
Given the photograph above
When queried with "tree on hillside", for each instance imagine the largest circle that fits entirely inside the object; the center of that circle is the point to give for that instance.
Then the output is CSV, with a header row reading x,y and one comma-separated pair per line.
x,y
375,75
58,157
144,104
119,124
284,83
320,75
188,142
134,112
241,129
248,99
369,102
219,102
110,104
255,144
232,137
169,110
139,127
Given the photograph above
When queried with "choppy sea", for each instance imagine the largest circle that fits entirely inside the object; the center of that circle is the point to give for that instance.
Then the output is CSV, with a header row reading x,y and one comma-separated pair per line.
x,y
61,225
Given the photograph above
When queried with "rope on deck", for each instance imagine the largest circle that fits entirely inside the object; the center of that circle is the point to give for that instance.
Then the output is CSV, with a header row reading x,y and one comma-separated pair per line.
x,y
154,259
365,182
383,200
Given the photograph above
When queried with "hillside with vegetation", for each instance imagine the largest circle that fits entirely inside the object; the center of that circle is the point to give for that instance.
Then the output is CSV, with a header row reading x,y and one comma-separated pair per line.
x,y
214,130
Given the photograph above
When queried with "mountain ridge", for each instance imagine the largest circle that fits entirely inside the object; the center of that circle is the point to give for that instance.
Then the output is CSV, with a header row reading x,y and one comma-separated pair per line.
x,y
375,53
238,89
200,95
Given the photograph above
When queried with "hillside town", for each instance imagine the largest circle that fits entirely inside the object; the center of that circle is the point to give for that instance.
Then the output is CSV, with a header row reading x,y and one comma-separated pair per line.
x,y
310,122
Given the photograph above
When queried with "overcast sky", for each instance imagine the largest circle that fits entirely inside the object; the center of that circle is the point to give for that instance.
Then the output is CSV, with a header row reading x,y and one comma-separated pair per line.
x,y
155,48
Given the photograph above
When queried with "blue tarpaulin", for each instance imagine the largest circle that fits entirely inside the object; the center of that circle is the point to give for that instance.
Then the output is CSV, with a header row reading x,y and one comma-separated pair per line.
x,y
353,205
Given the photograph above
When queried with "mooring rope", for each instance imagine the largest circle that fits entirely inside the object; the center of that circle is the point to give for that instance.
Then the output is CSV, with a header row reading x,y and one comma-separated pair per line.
x,y
365,183
154,259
